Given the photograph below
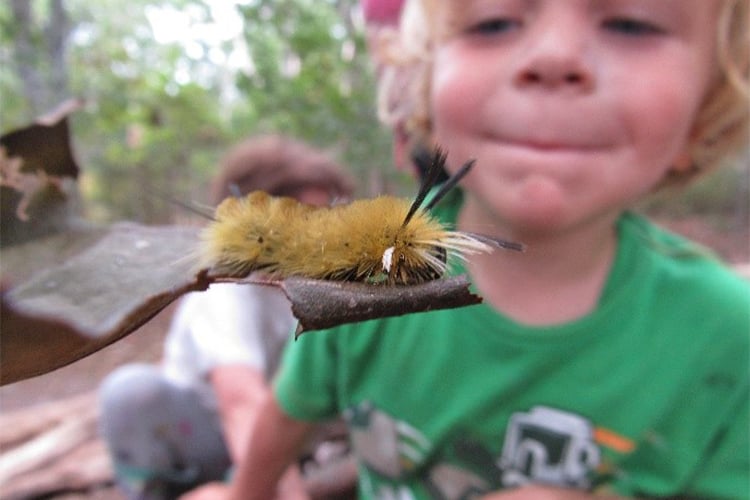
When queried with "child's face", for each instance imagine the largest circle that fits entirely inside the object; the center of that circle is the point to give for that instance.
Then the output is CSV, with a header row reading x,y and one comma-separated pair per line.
x,y
573,108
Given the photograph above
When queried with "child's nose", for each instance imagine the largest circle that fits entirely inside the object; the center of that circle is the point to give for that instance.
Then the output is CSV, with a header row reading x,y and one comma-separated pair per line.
x,y
556,59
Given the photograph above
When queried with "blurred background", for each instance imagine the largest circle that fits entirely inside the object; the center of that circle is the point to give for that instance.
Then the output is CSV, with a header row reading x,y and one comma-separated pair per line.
x,y
169,85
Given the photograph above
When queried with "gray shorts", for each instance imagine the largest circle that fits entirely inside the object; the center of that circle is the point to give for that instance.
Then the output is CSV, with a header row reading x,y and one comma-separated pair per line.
x,y
163,439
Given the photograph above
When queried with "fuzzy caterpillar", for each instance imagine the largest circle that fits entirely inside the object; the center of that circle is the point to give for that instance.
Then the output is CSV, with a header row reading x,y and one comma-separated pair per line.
x,y
380,240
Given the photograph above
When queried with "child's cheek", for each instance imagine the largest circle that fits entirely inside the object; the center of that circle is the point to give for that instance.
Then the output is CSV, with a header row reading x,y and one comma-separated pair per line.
x,y
659,120
456,98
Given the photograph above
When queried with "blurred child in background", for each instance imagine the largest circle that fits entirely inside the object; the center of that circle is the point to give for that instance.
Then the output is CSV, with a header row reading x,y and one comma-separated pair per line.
x,y
172,427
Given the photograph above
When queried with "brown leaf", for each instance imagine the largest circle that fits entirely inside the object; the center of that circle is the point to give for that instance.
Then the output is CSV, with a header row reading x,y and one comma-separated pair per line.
x,y
67,311
45,145
37,173
324,304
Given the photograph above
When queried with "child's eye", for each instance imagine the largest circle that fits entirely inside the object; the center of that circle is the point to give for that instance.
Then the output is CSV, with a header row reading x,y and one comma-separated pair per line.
x,y
632,27
493,26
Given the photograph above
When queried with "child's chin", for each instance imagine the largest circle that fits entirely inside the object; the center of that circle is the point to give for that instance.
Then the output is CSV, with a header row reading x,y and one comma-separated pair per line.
x,y
541,205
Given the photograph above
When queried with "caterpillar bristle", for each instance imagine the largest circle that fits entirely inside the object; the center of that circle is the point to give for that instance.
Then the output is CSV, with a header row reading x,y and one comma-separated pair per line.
x,y
428,182
449,184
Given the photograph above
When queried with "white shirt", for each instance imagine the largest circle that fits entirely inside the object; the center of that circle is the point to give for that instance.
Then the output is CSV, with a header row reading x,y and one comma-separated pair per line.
x,y
227,324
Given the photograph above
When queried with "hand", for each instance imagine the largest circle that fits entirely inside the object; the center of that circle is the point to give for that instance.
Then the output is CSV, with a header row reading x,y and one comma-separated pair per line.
x,y
536,492
209,491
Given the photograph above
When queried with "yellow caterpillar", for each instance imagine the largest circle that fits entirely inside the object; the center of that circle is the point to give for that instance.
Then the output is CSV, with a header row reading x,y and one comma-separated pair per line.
x,y
380,240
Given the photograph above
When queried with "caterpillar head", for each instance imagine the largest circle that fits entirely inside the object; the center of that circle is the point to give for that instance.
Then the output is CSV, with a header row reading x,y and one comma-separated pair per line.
x,y
409,263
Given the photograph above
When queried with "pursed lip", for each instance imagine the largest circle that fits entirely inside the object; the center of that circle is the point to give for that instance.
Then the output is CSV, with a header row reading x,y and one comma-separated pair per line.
x,y
524,156
546,146
554,133
551,146
551,143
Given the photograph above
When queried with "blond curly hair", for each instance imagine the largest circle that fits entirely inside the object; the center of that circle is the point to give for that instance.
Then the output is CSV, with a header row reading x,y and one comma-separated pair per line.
x,y
721,125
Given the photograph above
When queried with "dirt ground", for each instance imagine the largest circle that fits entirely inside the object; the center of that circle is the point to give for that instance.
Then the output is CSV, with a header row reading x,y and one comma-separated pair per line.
x,y
82,377
145,345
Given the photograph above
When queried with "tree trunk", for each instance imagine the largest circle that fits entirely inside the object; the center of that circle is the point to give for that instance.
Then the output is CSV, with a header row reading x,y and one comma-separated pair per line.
x,y
40,55
56,37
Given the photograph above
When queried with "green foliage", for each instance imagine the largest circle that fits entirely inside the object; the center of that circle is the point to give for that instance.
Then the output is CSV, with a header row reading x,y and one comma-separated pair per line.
x,y
14,110
168,146
312,77
159,114
156,137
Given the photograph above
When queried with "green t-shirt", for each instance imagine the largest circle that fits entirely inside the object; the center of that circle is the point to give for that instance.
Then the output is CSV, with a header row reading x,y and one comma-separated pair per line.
x,y
645,396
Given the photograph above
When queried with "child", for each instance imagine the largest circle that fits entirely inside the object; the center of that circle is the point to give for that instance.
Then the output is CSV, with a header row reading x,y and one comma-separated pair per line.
x,y
172,427
612,357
